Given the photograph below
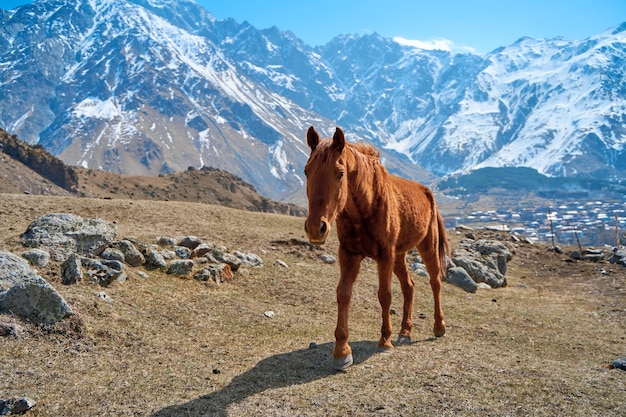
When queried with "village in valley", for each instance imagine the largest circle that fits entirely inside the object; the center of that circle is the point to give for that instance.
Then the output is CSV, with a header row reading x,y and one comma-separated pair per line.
x,y
567,222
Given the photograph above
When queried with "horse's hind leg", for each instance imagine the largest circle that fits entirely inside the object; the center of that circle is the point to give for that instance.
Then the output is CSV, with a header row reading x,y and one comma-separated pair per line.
x,y
408,290
385,269
430,256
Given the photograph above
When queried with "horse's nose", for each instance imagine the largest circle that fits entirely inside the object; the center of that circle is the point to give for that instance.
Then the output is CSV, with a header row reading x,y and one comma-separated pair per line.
x,y
316,236
323,228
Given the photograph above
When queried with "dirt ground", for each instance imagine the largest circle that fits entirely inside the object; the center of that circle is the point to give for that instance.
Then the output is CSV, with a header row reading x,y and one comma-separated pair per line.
x,y
172,346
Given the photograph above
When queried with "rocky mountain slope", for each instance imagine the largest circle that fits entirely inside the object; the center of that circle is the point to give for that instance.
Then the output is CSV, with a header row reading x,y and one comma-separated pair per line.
x,y
31,170
151,87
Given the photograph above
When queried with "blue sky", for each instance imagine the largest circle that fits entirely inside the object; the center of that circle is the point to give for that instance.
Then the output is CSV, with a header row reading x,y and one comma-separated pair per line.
x,y
476,25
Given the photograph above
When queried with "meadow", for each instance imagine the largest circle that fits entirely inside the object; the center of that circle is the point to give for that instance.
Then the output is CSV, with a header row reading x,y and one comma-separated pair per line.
x,y
173,346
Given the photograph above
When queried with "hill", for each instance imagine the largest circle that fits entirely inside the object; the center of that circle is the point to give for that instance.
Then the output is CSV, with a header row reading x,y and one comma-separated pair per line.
x,y
33,170
170,346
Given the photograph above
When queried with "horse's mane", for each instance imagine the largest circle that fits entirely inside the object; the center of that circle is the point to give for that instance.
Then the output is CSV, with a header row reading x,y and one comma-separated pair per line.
x,y
367,150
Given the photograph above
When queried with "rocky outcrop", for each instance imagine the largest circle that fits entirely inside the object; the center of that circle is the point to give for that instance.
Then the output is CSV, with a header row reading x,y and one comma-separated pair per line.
x,y
88,252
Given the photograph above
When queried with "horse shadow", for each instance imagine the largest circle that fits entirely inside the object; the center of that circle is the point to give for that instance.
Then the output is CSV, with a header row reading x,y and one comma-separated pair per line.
x,y
277,371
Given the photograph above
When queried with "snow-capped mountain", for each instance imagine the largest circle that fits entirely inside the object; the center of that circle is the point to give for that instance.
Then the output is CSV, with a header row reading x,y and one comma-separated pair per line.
x,y
155,86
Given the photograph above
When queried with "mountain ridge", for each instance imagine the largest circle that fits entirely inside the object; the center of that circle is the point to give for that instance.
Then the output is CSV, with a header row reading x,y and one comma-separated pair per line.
x,y
153,87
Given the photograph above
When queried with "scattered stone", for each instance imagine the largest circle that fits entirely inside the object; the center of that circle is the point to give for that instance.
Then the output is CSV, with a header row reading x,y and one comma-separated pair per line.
x,y
180,267
132,256
10,329
167,242
484,260
16,405
619,364
71,270
218,255
190,242
103,272
104,297
270,314
168,254
113,255
155,260
312,345
555,249
215,272
327,259
249,259
202,249
182,252
281,263
37,257
618,257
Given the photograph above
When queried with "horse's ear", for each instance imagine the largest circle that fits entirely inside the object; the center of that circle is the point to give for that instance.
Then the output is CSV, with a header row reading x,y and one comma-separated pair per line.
x,y
339,141
312,138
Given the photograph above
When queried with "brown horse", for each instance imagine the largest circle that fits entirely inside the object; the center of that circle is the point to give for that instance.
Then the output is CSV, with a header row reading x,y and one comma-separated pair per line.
x,y
378,215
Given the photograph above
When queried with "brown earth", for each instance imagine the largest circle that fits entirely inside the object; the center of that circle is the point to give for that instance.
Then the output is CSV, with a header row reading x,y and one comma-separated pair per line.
x,y
170,346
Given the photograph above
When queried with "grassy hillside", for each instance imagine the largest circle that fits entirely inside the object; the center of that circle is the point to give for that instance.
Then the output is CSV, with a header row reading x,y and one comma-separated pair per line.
x,y
170,346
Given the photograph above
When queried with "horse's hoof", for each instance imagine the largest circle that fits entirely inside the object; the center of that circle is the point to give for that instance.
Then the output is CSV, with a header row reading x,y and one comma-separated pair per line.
x,y
385,350
341,364
440,332
403,340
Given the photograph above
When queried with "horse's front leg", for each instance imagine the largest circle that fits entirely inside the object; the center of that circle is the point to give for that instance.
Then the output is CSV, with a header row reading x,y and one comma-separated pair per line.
x,y
349,265
385,268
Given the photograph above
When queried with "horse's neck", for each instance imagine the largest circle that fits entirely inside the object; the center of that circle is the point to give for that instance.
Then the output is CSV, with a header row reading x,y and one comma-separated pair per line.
x,y
365,180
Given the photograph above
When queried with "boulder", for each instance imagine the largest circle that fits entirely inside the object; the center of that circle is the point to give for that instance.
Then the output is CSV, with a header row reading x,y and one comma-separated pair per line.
x,y
459,277
63,234
13,270
27,295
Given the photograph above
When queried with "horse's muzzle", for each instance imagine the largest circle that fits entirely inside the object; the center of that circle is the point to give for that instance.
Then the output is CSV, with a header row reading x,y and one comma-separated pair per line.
x,y
318,235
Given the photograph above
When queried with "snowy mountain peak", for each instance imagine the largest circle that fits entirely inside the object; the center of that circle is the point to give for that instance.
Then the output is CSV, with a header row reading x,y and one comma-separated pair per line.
x,y
154,86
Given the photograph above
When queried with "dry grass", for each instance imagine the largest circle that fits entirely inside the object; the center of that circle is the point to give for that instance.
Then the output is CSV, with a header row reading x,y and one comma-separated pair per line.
x,y
168,346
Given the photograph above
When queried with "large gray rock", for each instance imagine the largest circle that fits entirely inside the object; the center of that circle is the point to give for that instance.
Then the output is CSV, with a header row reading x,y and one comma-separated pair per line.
x,y
27,295
484,260
13,270
459,277
63,234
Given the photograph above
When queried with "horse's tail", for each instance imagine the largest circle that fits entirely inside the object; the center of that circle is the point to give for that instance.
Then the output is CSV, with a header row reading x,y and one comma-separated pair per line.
x,y
444,244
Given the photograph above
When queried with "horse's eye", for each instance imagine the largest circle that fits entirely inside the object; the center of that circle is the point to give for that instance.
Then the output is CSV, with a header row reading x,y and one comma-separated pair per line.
x,y
340,176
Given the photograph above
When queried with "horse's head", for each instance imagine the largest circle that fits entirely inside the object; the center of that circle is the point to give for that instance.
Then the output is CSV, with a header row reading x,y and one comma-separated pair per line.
x,y
326,183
